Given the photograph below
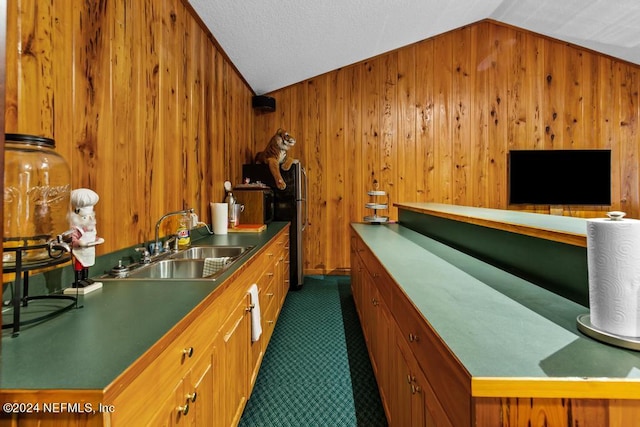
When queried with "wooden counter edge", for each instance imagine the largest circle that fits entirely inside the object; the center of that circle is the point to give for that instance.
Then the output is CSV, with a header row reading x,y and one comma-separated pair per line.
x,y
581,388
541,233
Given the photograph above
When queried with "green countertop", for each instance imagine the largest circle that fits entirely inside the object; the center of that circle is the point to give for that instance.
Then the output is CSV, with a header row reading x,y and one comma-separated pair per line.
x,y
552,222
496,324
565,229
87,348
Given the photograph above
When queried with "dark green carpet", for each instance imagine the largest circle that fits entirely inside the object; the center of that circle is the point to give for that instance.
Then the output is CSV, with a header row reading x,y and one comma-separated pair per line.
x,y
316,371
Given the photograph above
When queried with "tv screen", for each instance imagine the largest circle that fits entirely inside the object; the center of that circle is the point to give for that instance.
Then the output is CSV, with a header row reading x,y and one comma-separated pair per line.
x,y
560,177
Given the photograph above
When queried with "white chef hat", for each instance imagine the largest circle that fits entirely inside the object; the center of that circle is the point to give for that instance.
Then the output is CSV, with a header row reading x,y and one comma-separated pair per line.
x,y
83,200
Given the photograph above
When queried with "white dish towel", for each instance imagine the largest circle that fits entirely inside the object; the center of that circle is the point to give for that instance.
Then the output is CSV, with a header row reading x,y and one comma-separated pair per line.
x,y
211,265
256,326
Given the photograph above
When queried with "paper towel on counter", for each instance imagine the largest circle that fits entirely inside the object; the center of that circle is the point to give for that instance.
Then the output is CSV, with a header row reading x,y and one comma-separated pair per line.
x,y
613,260
220,217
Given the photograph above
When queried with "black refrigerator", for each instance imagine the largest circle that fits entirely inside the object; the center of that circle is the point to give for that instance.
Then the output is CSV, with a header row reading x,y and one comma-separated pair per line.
x,y
289,204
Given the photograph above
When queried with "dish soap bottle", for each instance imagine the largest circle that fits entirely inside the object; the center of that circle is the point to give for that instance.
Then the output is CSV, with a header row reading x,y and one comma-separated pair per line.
x,y
183,232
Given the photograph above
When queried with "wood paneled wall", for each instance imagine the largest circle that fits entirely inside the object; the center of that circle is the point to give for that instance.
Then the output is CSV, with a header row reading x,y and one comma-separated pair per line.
x,y
434,121
148,112
144,107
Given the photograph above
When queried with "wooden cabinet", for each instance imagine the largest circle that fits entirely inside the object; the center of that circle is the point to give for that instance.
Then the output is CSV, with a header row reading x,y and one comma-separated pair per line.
x,y
376,320
428,384
205,373
189,403
163,382
272,279
415,402
233,376
405,358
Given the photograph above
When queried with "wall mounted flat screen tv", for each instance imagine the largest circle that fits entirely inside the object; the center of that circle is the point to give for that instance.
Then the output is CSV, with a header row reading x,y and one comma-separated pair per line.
x,y
560,177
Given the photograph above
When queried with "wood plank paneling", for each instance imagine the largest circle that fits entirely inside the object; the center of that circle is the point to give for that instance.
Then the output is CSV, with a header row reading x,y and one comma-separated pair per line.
x,y
437,119
555,412
142,104
481,59
149,112
406,176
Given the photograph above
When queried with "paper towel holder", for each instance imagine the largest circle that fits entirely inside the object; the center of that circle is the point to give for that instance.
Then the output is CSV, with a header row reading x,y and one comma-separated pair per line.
x,y
585,326
616,215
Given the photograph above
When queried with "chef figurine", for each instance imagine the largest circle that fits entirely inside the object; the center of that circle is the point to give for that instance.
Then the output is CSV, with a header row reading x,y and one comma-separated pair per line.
x,y
84,237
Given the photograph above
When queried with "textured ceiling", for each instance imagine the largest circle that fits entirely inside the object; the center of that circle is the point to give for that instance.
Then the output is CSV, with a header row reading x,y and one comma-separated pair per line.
x,y
276,43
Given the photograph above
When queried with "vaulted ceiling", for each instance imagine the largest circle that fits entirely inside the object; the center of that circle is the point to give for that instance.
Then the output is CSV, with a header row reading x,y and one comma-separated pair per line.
x,y
276,43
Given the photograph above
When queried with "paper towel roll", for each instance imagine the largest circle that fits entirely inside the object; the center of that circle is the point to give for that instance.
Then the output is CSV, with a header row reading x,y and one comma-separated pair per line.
x,y
613,261
219,217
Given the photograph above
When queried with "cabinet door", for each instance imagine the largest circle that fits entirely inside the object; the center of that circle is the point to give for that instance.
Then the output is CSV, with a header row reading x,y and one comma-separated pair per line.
x,y
191,401
416,404
170,412
199,394
233,354
357,271
376,323
399,396
384,345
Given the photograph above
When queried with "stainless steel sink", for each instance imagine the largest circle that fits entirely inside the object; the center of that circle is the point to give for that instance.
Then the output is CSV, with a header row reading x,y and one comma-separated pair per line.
x,y
170,269
185,265
201,252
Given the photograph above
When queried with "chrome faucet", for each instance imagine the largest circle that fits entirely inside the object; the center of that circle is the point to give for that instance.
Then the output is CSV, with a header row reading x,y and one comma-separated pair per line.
x,y
146,256
167,244
156,248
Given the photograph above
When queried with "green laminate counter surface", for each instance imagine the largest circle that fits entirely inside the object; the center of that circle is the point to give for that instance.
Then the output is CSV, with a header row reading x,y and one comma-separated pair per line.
x,y
564,229
88,347
496,324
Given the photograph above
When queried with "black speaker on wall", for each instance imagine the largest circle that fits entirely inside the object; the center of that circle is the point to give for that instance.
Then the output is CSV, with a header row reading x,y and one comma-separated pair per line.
x,y
264,103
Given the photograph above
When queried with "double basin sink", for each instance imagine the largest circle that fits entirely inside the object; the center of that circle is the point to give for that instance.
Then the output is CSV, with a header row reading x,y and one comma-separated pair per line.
x,y
187,264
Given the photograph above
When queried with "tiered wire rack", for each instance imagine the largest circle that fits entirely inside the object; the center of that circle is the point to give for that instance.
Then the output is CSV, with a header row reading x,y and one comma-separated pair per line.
x,y
376,205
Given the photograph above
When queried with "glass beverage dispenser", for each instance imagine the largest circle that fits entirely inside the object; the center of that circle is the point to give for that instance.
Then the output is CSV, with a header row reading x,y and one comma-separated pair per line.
x,y
37,187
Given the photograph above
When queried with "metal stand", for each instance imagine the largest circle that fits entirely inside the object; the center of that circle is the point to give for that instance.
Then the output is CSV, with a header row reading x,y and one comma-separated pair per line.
x,y
585,326
21,286
376,206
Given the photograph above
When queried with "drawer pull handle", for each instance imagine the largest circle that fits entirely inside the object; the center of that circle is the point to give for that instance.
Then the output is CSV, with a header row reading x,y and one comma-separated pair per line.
x,y
270,322
250,308
376,275
192,396
188,352
269,274
270,294
413,338
184,410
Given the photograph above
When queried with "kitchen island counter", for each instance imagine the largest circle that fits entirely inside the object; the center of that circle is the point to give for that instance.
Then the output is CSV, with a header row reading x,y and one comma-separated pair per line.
x,y
512,337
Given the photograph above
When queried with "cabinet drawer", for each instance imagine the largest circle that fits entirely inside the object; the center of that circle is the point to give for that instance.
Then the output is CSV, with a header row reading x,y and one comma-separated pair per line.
x,y
443,371
157,380
384,283
269,314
